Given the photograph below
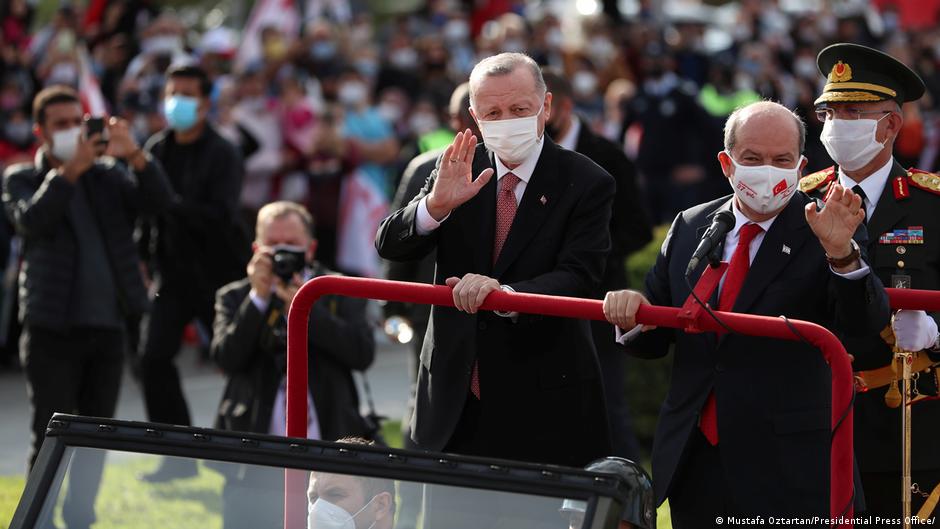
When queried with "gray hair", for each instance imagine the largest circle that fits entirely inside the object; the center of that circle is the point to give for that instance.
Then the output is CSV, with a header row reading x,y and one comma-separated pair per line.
x,y
505,64
734,121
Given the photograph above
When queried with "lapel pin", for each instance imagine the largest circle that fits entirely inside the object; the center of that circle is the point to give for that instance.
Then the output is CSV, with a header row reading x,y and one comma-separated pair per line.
x,y
785,249
543,200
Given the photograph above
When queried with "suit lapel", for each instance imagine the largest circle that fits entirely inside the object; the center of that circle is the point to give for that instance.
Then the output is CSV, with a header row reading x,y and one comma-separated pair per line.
x,y
483,213
888,213
790,230
533,210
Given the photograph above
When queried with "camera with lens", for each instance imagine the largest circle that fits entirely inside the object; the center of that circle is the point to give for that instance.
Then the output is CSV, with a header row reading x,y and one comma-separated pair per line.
x,y
288,261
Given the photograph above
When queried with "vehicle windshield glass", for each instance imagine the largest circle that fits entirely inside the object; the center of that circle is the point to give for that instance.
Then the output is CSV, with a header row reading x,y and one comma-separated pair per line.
x,y
229,495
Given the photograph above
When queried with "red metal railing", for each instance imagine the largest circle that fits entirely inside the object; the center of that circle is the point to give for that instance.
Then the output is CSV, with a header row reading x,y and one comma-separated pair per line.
x,y
905,298
695,321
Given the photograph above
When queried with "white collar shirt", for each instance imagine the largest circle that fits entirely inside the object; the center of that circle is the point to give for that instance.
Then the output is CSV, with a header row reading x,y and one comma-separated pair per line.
x,y
873,186
570,139
523,172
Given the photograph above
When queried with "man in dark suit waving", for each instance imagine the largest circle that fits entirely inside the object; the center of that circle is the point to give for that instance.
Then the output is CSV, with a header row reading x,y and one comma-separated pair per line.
x,y
522,214
745,428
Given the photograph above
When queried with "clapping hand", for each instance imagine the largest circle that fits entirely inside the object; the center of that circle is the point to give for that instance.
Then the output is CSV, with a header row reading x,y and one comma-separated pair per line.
x,y
454,184
835,225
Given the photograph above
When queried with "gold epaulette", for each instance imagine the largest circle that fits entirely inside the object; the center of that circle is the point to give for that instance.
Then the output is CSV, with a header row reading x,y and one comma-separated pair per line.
x,y
818,180
924,180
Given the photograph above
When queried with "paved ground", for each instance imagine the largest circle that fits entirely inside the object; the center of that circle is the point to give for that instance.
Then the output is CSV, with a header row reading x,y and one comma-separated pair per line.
x,y
203,386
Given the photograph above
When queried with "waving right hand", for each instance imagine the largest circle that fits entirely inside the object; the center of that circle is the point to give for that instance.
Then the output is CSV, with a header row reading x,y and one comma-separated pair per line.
x,y
454,184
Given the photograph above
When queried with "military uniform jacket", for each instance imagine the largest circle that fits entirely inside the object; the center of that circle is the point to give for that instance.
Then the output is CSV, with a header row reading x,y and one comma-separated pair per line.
x,y
903,251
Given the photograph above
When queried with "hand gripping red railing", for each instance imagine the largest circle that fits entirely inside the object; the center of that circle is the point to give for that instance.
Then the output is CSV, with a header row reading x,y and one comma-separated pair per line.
x,y
832,350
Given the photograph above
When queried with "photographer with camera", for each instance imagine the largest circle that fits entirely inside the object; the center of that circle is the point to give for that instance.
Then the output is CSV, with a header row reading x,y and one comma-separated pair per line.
x,y
80,279
250,335
250,345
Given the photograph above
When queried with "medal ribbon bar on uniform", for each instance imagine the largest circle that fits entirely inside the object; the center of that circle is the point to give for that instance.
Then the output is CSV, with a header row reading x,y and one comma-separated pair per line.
x,y
912,235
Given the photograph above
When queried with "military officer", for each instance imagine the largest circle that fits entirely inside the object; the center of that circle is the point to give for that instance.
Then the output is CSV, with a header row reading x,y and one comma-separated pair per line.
x,y
861,110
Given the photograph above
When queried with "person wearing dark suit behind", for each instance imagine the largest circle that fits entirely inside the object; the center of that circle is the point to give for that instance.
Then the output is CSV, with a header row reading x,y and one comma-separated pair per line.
x,y
249,344
897,202
422,271
534,219
197,245
80,278
745,428
630,230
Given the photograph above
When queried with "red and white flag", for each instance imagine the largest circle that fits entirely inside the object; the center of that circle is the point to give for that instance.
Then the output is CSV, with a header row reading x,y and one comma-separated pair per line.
x,y
89,91
362,206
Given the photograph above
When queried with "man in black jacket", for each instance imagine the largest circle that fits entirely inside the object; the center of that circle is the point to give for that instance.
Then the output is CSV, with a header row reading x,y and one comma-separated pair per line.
x,y
197,245
249,344
80,277
629,230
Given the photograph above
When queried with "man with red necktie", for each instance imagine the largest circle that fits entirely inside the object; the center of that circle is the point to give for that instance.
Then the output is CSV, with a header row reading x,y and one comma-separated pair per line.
x,y
519,214
745,428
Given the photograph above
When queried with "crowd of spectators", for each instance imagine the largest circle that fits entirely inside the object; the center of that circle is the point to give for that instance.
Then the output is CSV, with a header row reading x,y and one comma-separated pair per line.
x,y
350,90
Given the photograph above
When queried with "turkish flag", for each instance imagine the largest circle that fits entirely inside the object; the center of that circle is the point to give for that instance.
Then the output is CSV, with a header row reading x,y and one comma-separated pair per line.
x,y
780,187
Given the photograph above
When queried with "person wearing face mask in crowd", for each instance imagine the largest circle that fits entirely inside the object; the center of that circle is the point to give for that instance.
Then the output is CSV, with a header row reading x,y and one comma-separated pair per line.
x,y
860,109
516,213
80,279
745,428
196,246
401,64
674,133
630,230
370,134
339,501
250,345
17,143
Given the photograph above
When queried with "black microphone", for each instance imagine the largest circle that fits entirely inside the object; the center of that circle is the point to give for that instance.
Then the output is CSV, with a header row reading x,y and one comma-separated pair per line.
x,y
714,235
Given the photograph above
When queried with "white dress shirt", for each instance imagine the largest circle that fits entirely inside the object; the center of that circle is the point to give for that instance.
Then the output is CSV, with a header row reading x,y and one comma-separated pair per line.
x,y
731,243
873,186
570,139
425,223
278,425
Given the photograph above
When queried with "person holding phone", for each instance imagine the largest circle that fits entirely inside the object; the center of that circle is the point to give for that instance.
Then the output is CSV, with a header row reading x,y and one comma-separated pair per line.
x,y
75,208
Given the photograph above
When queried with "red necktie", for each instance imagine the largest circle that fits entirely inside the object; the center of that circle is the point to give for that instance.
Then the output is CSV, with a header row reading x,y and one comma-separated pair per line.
x,y
505,212
737,271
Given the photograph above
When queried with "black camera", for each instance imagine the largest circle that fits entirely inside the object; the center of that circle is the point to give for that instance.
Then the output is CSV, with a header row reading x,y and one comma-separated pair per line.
x,y
287,262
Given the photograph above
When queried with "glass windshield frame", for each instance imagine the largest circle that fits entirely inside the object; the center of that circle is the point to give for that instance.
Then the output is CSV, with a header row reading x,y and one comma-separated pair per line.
x,y
604,494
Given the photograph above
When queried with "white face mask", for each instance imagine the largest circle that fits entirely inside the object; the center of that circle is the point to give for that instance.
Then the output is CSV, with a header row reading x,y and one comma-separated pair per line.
x,y
512,139
325,515
65,143
851,142
764,188
352,93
